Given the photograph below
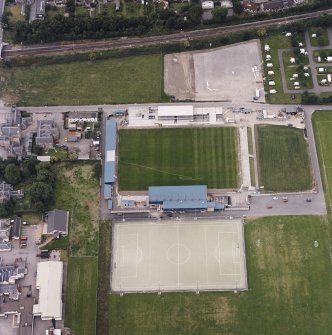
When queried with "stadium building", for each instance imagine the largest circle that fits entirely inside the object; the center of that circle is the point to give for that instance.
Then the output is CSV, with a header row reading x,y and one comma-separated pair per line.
x,y
182,198
110,160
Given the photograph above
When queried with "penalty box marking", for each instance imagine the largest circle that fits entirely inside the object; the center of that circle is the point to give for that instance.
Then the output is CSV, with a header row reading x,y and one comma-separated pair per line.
x,y
234,260
122,247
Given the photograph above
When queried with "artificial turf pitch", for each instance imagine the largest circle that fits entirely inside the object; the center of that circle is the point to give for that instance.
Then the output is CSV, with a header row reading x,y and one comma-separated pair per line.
x,y
177,156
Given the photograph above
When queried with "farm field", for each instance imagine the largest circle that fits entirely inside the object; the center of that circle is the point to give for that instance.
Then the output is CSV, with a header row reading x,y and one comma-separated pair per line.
x,y
289,289
135,79
181,156
283,159
81,301
77,190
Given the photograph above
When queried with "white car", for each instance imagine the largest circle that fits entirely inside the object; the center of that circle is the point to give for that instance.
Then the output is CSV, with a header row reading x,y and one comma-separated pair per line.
x,y
275,198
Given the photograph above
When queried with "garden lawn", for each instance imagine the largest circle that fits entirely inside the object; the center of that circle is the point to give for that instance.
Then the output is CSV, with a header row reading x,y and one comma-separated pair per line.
x,y
135,79
283,159
178,156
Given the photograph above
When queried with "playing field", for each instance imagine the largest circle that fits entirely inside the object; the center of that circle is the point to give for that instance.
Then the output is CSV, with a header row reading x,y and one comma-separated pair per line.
x,y
289,279
284,163
177,156
178,256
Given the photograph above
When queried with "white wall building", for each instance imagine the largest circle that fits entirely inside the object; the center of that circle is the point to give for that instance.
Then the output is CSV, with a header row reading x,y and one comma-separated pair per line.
x,y
207,4
82,117
185,112
49,284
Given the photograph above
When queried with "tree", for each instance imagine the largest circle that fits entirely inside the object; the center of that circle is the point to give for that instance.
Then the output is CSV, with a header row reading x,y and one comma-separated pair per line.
x,y
29,167
45,173
261,32
195,13
41,195
219,14
12,174
237,7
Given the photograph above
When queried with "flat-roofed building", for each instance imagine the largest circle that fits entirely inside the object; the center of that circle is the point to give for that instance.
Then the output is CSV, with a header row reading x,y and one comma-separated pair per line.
x,y
49,284
185,112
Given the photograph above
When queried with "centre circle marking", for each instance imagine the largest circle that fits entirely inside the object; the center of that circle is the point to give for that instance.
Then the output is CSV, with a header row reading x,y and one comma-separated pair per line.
x,y
178,254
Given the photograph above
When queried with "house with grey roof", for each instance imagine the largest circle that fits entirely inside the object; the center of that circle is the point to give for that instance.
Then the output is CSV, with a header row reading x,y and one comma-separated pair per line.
x,y
47,133
5,231
10,132
57,222
7,192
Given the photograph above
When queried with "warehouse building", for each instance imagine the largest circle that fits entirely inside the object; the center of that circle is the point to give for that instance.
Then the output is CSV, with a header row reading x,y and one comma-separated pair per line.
x,y
110,160
49,284
182,198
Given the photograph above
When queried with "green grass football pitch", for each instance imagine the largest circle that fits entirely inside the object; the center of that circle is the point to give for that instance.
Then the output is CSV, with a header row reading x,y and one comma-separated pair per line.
x,y
283,158
177,156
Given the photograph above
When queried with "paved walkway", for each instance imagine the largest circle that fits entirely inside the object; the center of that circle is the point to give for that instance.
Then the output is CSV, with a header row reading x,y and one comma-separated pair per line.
x,y
244,154
317,89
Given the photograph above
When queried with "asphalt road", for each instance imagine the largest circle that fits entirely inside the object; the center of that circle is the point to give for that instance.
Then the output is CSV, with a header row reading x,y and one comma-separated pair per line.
x,y
124,42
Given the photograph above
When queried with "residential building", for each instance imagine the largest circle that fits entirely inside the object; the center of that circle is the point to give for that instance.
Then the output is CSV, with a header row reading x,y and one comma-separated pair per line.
x,y
57,222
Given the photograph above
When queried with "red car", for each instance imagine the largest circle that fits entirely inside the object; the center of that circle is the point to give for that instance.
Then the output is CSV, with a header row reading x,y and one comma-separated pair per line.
x,y
269,206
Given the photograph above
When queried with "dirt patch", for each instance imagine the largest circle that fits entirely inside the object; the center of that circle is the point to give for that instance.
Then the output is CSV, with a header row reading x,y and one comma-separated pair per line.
x,y
233,72
10,99
179,76
222,311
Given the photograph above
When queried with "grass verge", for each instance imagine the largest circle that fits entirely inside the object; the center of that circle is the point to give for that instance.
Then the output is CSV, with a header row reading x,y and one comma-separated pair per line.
x,y
322,122
186,156
283,159
81,302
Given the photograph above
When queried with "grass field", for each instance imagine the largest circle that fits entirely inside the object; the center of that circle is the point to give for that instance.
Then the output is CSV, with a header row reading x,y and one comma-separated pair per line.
x,y
77,190
117,80
289,290
291,69
187,156
81,301
283,159
276,42
322,39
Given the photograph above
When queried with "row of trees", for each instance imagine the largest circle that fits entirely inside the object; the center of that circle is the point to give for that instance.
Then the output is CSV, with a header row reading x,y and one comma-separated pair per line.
x,y
105,25
84,27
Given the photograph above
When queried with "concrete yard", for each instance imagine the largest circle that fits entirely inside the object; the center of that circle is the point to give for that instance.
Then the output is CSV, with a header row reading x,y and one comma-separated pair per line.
x,y
231,73
178,256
